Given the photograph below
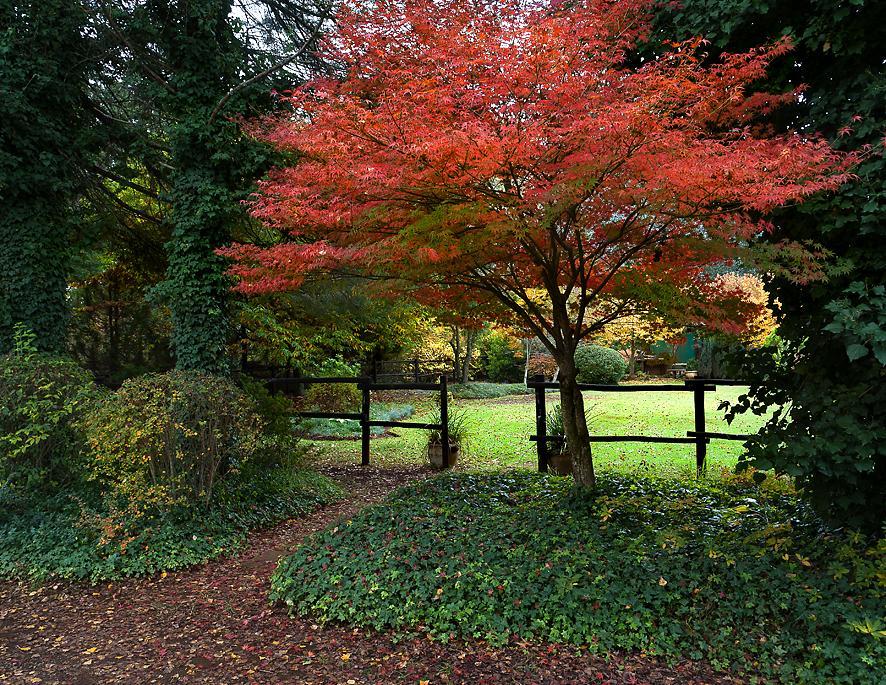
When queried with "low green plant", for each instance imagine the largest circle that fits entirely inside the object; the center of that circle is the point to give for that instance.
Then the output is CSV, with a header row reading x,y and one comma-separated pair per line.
x,y
67,535
599,365
40,399
745,578
348,429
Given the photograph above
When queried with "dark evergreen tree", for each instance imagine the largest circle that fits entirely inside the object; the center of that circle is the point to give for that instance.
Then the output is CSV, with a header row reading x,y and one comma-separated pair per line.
x,y
826,385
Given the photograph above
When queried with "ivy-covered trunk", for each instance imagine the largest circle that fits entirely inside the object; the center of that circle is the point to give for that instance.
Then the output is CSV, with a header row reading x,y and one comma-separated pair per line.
x,y
574,423
45,136
196,288
33,266
210,170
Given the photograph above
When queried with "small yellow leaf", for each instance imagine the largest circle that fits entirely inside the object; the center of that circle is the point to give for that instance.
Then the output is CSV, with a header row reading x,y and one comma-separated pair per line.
x,y
346,656
91,650
25,649
424,682
662,582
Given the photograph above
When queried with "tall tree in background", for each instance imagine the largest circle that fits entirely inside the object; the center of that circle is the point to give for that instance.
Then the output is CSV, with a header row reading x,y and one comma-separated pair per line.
x,y
176,74
828,384
46,137
502,148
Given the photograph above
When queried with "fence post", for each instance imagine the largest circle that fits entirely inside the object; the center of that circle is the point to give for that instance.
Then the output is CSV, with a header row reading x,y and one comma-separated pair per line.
x,y
364,422
374,370
444,419
701,445
415,370
541,424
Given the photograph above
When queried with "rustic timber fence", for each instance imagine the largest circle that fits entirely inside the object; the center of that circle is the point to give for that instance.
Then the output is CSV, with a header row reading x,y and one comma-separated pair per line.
x,y
698,437
366,385
409,370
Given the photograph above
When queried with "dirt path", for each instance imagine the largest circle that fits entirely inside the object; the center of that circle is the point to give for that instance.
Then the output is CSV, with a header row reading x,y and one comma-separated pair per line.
x,y
213,624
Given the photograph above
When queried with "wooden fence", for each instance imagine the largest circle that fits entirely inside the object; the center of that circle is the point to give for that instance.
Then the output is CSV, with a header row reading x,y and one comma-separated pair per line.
x,y
409,370
366,385
698,437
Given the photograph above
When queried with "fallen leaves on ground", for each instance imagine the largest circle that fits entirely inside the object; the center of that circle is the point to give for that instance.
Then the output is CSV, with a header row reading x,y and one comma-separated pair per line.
x,y
213,624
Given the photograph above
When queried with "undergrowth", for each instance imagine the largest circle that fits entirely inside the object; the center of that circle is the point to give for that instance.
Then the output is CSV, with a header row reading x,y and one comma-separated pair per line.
x,y
742,576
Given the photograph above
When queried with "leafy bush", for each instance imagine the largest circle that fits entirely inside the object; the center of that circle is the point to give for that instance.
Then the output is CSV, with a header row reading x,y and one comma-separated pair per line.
x,y
334,397
825,426
40,399
168,439
67,537
499,360
484,391
276,411
601,365
743,577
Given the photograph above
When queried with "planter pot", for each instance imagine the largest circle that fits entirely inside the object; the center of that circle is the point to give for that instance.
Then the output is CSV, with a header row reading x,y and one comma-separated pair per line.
x,y
689,375
560,464
435,454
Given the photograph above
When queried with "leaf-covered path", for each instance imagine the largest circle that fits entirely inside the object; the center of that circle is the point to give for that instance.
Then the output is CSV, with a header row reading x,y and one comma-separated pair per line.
x,y
213,624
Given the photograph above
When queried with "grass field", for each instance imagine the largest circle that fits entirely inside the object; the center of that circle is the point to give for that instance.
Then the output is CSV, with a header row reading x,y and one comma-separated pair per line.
x,y
499,431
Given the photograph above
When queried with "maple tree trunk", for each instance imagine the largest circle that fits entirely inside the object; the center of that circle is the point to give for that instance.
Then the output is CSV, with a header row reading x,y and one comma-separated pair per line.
x,y
575,425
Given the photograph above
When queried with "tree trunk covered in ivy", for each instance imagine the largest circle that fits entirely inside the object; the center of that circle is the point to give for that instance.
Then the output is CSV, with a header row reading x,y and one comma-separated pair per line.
x,y
43,137
213,166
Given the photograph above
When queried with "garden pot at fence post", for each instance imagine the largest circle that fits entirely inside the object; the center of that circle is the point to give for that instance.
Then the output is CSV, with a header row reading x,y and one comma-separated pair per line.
x,y
435,454
689,375
560,464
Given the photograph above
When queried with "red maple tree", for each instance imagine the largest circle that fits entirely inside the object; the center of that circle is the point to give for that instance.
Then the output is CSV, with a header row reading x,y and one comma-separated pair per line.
x,y
521,155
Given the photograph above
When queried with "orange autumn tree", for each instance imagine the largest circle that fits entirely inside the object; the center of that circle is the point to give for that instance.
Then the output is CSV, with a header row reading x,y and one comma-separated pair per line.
x,y
489,150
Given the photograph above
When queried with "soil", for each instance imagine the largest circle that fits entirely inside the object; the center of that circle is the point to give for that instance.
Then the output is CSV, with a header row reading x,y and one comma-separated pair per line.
x,y
213,624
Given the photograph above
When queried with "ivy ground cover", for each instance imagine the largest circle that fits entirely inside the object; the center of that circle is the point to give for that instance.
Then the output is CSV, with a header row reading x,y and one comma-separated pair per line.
x,y
744,578
67,535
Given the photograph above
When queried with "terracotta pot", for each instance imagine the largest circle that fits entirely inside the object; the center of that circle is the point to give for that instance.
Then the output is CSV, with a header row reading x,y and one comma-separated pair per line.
x,y
435,454
560,464
689,375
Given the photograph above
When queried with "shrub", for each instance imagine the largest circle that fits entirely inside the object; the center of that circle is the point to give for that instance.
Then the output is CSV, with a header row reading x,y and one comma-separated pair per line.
x,y
276,411
499,360
334,397
600,365
167,439
40,398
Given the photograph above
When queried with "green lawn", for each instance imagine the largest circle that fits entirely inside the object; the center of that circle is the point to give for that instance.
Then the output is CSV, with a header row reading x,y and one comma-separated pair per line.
x,y
500,429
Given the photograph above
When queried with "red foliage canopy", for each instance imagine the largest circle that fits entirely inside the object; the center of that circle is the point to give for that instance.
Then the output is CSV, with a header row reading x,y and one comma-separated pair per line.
x,y
507,149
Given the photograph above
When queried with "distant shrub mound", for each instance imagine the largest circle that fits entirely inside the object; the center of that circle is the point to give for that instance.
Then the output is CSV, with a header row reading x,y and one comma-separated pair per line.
x,y
600,365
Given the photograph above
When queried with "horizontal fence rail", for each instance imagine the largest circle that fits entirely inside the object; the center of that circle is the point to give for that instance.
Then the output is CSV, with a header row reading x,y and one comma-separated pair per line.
x,y
366,386
698,437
